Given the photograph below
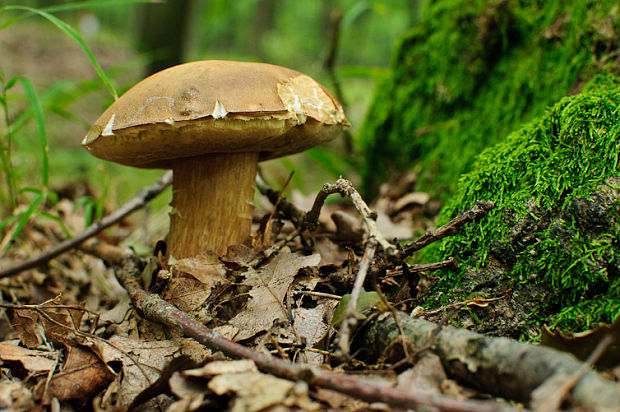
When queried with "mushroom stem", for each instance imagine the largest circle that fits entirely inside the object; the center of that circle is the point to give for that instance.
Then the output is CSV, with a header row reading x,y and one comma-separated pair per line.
x,y
211,203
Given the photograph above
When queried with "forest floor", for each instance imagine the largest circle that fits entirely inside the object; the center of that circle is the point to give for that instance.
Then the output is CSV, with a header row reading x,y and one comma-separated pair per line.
x,y
89,328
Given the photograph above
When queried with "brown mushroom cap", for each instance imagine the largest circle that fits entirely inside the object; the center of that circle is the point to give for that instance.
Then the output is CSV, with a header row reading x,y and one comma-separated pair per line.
x,y
215,107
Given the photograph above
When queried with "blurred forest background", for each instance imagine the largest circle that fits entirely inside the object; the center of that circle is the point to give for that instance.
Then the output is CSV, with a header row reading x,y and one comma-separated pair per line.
x,y
132,40
345,44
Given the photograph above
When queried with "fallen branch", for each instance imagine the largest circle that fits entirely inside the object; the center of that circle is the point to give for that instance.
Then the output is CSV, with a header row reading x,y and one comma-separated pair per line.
x,y
345,188
152,307
496,365
135,203
479,210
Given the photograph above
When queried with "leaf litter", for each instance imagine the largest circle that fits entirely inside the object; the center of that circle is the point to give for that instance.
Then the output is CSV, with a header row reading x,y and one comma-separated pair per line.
x,y
289,303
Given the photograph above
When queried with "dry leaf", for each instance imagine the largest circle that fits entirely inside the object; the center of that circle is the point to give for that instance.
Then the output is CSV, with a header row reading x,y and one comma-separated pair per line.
x,y
81,378
32,360
142,364
206,268
390,230
427,375
189,390
331,253
35,329
310,325
583,344
254,391
14,396
269,288
222,367
411,199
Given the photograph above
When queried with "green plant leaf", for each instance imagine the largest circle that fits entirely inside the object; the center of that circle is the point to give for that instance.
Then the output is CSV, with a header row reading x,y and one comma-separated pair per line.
x,y
366,301
58,220
70,31
37,109
24,216
52,92
329,160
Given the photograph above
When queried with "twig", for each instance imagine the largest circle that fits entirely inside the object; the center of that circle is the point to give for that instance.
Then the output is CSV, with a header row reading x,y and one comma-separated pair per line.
x,y
275,197
423,267
154,308
137,202
345,188
554,401
479,210
350,319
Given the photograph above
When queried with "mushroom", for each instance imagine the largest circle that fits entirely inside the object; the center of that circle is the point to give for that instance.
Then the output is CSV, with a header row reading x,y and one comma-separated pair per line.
x,y
212,122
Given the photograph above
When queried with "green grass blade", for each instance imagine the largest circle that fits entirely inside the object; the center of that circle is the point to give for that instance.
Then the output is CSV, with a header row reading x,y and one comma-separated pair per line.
x,y
70,31
92,3
24,219
37,110
52,92
70,7
7,221
65,230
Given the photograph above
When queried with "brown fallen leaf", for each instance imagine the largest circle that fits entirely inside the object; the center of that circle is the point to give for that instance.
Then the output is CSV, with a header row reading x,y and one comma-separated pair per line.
x,y
331,253
205,267
32,360
254,391
426,375
583,344
34,329
222,367
192,282
311,325
14,396
269,286
409,200
82,377
141,366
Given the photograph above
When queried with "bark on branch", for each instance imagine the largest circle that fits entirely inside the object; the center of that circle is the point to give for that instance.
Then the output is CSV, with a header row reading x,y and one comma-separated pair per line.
x,y
500,366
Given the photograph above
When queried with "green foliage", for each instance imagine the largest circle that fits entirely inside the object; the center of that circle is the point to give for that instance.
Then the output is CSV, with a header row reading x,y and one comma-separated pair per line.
x,y
365,301
473,71
34,197
546,226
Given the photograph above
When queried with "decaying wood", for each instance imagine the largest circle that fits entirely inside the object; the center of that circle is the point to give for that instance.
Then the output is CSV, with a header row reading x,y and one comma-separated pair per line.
x,y
497,365
135,203
152,307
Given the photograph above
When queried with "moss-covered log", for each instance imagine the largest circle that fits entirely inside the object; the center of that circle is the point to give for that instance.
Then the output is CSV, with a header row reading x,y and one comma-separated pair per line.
x,y
473,71
553,237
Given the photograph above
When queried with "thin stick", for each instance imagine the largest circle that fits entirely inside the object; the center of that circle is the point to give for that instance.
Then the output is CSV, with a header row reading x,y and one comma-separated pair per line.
x,y
345,188
137,202
479,210
152,307
350,319
282,203
554,400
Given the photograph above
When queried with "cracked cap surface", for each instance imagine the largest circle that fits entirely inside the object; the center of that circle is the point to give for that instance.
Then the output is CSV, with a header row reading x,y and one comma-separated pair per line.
x,y
215,106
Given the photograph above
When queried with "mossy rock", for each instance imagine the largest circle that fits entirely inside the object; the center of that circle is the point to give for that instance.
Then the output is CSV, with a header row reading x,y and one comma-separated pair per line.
x,y
552,242
475,70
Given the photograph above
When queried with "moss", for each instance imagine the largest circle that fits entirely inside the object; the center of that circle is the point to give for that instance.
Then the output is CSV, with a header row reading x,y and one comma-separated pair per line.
x,y
475,70
555,183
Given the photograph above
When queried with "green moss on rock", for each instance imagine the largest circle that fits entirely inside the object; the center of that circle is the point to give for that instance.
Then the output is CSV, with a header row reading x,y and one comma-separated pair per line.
x,y
553,236
475,70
